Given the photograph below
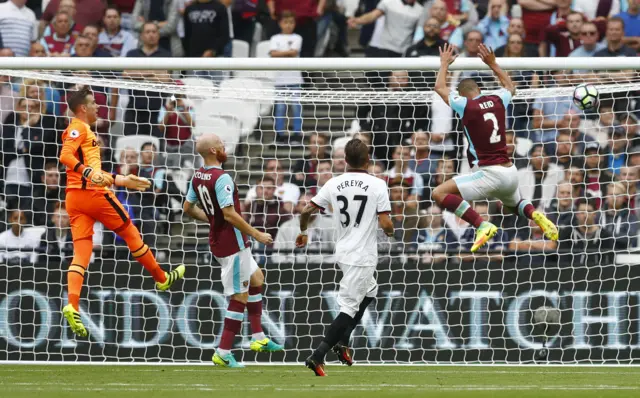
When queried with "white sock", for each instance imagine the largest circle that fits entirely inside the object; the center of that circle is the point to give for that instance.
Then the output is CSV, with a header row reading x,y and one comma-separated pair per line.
x,y
258,336
222,352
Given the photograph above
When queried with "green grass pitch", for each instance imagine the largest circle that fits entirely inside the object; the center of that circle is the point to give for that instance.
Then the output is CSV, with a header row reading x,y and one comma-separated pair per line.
x,y
105,381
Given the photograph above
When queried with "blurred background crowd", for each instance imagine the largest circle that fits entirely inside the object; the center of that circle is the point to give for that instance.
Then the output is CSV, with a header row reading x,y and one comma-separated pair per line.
x,y
580,167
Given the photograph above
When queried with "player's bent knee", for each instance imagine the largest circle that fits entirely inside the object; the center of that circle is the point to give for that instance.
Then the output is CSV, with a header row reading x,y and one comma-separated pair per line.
x,y
257,278
241,297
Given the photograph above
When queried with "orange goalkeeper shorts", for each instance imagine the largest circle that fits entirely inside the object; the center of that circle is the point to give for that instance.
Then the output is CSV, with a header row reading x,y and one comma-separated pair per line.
x,y
85,207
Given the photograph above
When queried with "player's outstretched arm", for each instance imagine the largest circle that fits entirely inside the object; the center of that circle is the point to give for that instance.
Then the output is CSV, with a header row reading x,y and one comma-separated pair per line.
x,y
386,224
132,182
447,56
305,216
489,58
235,219
194,211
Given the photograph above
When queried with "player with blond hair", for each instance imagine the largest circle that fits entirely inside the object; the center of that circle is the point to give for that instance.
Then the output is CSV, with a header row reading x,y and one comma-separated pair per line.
x,y
88,199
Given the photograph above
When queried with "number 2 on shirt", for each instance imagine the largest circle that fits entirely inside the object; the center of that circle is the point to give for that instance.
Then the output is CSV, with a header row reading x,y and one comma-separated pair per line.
x,y
495,137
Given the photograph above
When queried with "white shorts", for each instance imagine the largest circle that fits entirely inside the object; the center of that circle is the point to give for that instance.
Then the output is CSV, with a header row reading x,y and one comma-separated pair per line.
x,y
490,182
357,283
236,271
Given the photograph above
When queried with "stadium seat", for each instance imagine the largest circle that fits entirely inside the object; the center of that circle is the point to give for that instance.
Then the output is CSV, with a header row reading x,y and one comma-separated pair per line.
x,y
263,49
240,49
223,117
200,83
230,87
132,141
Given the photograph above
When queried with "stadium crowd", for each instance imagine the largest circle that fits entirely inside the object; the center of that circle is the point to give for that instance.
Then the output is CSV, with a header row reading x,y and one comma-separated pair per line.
x,y
582,168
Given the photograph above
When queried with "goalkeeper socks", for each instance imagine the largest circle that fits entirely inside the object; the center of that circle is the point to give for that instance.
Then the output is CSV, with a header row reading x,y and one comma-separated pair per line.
x,y
346,336
232,324
142,253
254,311
462,209
82,250
526,209
335,332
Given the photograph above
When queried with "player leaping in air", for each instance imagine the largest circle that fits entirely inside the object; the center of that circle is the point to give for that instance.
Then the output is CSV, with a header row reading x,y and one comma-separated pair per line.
x,y
494,175
89,200
217,196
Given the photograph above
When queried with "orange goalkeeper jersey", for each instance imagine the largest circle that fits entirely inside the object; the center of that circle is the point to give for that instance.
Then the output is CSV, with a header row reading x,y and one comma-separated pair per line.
x,y
80,147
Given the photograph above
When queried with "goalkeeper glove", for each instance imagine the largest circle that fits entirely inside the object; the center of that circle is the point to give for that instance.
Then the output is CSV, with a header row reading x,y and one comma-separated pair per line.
x,y
133,182
98,177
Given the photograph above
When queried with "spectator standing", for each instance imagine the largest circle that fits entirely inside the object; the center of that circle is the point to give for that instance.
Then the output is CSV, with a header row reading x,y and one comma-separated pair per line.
x,y
266,212
144,106
516,27
206,29
29,138
392,123
615,41
401,19
539,180
126,13
306,12
89,12
244,15
536,16
176,123
18,239
286,192
560,209
619,220
287,45
429,46
562,37
164,13
494,26
17,27
113,39
448,25
60,42
47,194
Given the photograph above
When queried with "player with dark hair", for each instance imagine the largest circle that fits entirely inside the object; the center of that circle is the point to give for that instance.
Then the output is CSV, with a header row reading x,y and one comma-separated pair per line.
x,y
359,201
242,280
88,200
494,175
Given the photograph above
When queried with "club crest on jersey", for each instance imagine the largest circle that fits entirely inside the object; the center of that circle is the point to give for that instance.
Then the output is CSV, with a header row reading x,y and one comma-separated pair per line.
x,y
74,134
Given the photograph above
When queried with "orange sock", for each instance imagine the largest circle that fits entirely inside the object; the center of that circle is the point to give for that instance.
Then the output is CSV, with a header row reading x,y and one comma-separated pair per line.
x,y
82,250
142,253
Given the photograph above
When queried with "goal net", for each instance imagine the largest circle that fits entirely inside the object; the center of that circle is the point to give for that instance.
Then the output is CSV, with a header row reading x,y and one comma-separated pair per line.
x,y
521,299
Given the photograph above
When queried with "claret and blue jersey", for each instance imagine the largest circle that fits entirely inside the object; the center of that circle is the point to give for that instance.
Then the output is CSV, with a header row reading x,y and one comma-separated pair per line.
x,y
214,190
484,120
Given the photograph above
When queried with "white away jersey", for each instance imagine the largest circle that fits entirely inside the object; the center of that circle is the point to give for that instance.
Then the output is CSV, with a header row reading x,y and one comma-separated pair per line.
x,y
356,199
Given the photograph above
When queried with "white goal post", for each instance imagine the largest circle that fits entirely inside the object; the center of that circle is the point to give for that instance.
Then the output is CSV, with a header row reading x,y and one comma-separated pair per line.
x,y
518,302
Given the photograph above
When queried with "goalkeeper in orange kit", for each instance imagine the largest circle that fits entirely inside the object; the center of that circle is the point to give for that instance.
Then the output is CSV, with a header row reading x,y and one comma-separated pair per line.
x,y
89,200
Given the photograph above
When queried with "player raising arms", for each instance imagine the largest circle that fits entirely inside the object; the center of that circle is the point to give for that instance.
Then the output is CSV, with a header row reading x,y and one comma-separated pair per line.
x,y
89,200
494,175
217,195
359,201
